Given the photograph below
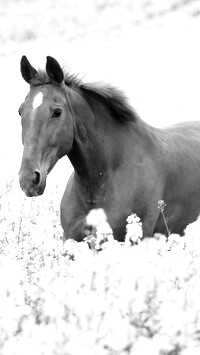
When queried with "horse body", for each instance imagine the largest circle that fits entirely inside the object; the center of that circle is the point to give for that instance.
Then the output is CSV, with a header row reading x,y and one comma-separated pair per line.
x,y
167,168
113,181
121,164
181,188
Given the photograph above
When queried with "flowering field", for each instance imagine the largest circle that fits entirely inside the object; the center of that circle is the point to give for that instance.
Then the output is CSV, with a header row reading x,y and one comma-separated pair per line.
x,y
115,299
132,298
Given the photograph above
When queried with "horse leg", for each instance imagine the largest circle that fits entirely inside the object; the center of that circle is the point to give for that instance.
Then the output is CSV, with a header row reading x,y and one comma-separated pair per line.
x,y
72,215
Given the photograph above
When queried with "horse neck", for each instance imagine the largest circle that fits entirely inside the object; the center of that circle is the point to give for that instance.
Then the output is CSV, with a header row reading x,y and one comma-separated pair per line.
x,y
94,149
102,144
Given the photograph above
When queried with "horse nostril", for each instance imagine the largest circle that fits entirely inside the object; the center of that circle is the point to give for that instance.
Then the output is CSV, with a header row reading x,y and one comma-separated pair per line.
x,y
36,178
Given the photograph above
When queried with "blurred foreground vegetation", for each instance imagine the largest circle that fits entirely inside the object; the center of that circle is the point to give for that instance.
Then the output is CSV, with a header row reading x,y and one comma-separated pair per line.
x,y
71,299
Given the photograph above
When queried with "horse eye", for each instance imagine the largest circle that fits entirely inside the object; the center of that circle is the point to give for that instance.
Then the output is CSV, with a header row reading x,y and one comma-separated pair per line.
x,y
56,113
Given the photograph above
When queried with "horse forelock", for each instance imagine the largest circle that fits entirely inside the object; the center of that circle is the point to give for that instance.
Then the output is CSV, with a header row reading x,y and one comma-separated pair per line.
x,y
42,78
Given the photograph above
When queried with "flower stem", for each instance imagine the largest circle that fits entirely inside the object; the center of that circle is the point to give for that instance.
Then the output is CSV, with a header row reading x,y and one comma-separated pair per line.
x,y
161,206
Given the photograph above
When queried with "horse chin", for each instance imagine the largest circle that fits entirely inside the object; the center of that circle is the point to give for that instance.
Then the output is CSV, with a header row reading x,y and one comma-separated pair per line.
x,y
35,191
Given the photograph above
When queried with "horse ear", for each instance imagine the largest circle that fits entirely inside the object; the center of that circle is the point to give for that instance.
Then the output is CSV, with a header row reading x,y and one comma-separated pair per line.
x,y
54,70
27,71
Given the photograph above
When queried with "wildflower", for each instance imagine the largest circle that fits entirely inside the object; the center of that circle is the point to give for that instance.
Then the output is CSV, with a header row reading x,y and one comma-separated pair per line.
x,y
161,205
95,217
98,230
104,234
134,231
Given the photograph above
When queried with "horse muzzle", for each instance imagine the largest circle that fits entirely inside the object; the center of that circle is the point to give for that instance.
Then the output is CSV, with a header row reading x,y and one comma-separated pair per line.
x,y
32,183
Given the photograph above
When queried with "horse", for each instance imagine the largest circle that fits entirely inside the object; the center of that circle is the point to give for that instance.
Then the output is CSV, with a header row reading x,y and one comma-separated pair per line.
x,y
121,163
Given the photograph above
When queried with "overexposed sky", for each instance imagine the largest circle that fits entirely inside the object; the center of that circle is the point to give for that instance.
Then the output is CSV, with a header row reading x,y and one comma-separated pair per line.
x,y
154,59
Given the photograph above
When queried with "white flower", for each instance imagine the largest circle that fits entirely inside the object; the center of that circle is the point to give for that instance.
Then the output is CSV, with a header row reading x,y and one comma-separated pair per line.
x,y
134,231
104,229
101,231
95,217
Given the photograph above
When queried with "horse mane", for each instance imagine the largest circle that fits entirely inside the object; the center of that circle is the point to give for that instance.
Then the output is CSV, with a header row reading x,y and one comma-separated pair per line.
x,y
113,98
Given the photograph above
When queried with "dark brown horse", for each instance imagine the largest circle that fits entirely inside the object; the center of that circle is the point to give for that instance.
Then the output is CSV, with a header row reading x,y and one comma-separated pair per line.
x,y
121,164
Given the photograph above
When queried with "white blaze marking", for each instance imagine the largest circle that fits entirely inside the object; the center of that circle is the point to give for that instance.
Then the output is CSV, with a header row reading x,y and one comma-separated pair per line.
x,y
37,101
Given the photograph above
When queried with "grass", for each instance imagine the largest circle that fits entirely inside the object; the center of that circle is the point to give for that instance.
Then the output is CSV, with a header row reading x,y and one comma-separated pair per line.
x,y
129,298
